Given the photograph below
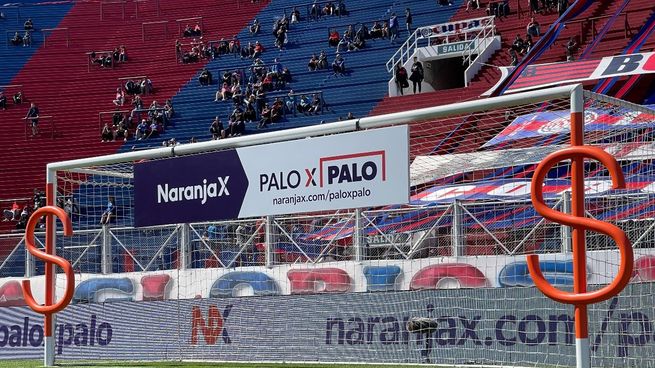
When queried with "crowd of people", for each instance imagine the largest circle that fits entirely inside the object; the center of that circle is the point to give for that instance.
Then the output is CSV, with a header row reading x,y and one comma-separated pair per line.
x,y
109,59
17,98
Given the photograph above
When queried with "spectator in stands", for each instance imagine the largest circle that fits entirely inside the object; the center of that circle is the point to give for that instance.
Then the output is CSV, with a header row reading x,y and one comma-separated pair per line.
x,y
12,214
445,2
33,117
518,45
122,54
303,105
534,6
281,38
363,32
334,38
2,15
3,101
315,11
322,60
472,4
24,216
338,65
119,99
255,27
528,43
169,112
350,116
141,130
235,45
317,104
385,30
571,49
18,98
205,77
357,43
146,86
28,25
532,28
401,78
295,15
562,5
110,212
121,131
38,198
266,117
27,39
313,63
376,31
345,41
259,48
188,31
216,129
155,129
393,27
417,75
409,19
328,9
17,40
106,134
514,57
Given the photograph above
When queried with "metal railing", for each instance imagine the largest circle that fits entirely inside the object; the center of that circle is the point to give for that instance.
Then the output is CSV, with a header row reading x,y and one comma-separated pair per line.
x,y
441,33
483,39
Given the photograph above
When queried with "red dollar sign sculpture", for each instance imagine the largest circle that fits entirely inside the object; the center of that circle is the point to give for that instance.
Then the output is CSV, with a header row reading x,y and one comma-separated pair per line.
x,y
50,307
580,297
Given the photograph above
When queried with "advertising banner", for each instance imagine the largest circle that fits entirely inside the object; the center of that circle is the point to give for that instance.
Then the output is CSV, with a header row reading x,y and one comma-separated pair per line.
x,y
508,326
359,169
543,75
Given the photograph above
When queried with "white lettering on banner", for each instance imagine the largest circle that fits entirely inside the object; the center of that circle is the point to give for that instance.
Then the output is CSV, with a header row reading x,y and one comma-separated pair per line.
x,y
193,192
359,169
450,193
515,189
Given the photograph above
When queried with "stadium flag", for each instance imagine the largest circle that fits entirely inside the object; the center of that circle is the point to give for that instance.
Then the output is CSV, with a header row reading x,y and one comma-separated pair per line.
x,y
552,74
351,170
557,122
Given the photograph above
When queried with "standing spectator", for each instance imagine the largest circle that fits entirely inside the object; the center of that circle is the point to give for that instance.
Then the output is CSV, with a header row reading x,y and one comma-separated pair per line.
x,y
393,27
255,27
3,101
532,28
408,20
18,98
571,49
295,15
562,5
417,75
122,54
401,78
110,212
534,6
28,25
33,117
27,39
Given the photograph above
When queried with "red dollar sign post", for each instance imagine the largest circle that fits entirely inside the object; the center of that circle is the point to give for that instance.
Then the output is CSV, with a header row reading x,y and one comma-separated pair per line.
x,y
580,297
50,306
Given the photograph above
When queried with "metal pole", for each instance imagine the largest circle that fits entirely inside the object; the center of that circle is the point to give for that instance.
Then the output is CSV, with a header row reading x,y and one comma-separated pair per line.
x,y
183,256
269,241
357,236
29,264
106,255
51,238
457,232
566,230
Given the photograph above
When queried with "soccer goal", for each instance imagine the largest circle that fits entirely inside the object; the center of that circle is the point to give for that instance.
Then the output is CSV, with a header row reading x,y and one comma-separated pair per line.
x,y
398,239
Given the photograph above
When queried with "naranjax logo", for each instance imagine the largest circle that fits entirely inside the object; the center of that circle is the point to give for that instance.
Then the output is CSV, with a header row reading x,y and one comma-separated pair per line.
x,y
79,334
193,192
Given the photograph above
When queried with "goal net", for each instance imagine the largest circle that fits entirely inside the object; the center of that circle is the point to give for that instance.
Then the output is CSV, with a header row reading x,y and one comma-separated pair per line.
x,y
340,284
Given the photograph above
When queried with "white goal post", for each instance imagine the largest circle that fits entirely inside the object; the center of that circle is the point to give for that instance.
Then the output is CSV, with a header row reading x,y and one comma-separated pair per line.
x,y
340,284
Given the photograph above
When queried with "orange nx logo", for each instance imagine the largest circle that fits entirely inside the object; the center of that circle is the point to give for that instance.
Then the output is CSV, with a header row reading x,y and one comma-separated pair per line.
x,y
211,328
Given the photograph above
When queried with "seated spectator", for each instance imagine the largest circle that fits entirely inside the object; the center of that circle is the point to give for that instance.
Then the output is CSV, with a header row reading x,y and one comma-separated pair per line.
x,y
3,101
328,9
281,38
188,31
246,52
341,9
12,214
18,98
385,30
197,31
266,117
205,77
357,43
110,212
445,2
295,15
28,25
376,31
528,43
258,49
334,38
303,105
472,4
216,129
533,28
146,86
255,27
250,114
518,45
106,134
235,45
122,54
344,42
169,112
363,32
141,130
131,87
155,129
322,60
513,57
27,39
119,99
24,216
17,40
338,65
571,49
313,63
121,131
317,104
